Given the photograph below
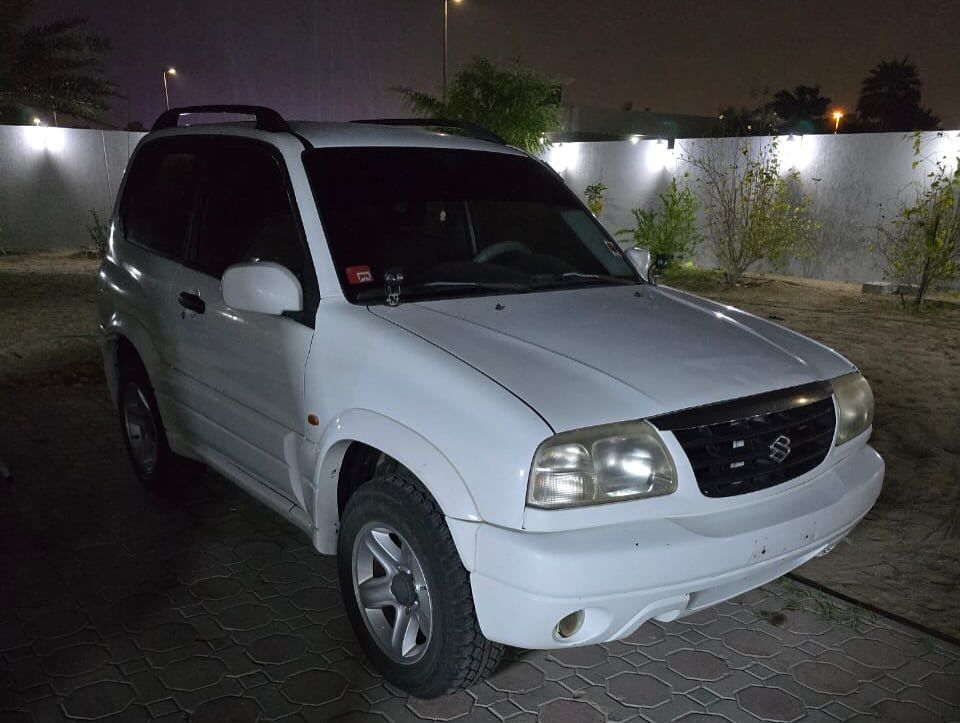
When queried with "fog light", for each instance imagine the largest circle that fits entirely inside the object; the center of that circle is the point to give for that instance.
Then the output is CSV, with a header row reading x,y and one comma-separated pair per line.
x,y
570,625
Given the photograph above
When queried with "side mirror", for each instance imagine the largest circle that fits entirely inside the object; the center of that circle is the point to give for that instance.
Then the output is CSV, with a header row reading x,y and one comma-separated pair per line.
x,y
639,258
265,287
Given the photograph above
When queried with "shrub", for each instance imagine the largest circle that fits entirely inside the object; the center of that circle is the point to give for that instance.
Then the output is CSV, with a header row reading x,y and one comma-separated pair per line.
x,y
594,194
99,232
668,230
753,212
920,245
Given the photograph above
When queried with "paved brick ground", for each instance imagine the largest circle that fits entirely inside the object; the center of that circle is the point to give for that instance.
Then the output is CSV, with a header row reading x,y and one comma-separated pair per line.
x,y
117,605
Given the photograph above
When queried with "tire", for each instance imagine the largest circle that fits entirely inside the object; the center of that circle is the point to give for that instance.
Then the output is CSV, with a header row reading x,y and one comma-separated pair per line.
x,y
399,518
141,427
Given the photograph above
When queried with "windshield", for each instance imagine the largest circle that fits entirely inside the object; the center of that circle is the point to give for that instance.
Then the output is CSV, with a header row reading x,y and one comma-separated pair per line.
x,y
455,223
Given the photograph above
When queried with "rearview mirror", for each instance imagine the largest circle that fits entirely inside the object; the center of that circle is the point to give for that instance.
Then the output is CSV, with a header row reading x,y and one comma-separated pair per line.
x,y
639,258
266,287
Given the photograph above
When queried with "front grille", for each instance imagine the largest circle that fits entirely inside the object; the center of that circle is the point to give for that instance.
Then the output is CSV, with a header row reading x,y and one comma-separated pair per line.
x,y
757,442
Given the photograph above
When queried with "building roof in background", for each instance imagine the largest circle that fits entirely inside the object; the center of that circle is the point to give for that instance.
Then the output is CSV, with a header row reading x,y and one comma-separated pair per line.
x,y
590,123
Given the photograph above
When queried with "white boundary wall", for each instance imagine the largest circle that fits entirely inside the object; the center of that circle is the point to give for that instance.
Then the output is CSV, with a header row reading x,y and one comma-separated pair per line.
x,y
51,177
849,175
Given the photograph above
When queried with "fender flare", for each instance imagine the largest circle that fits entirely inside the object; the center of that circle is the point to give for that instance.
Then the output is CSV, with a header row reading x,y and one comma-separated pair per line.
x,y
405,445
116,329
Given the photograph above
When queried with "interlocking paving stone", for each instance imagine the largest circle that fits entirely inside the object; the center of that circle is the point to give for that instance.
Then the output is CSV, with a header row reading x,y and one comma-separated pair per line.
x,y
568,711
278,649
201,605
99,699
697,665
230,708
824,677
314,687
771,704
450,707
639,689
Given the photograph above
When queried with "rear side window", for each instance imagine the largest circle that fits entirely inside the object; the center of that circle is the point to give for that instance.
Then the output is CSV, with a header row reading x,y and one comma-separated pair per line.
x,y
158,197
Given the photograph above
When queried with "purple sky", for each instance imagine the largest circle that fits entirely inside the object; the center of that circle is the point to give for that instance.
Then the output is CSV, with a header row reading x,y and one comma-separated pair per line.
x,y
336,59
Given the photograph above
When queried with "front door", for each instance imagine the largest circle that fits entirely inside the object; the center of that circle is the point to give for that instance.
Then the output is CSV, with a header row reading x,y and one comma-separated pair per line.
x,y
242,372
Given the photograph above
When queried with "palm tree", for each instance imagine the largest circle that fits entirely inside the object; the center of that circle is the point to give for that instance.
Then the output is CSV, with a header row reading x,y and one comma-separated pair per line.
x,y
802,109
51,67
890,99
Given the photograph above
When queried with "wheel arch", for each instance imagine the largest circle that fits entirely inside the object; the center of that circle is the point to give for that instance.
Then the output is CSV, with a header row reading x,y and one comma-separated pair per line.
x,y
358,430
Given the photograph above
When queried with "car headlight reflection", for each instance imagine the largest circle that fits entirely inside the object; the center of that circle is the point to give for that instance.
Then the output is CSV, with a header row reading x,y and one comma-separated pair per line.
x,y
601,464
855,404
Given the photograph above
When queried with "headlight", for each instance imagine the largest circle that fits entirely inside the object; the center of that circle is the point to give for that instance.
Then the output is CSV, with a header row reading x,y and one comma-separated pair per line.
x,y
601,464
855,401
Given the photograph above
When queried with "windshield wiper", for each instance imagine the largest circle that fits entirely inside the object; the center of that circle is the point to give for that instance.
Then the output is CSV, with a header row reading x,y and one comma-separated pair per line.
x,y
578,277
413,291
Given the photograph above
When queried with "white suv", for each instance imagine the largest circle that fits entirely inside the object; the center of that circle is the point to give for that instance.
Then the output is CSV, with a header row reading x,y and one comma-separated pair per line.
x,y
420,348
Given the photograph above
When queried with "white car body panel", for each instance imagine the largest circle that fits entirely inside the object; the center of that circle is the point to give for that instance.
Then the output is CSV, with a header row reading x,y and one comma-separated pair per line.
x,y
462,393
607,349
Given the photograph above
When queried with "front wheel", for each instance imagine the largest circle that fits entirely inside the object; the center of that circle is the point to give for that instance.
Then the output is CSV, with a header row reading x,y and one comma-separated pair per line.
x,y
406,592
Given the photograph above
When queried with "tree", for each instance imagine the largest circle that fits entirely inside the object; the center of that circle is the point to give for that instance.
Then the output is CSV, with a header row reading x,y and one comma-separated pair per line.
x,y
518,104
753,212
801,109
920,245
733,121
890,99
51,67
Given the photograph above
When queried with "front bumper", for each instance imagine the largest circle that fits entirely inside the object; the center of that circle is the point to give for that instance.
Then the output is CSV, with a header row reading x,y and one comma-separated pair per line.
x,y
622,575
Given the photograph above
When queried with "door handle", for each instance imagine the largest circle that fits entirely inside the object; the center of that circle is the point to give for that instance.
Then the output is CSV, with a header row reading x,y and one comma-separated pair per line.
x,y
192,302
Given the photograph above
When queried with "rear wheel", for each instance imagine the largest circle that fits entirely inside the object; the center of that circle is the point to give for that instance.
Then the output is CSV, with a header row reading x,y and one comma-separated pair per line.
x,y
154,463
407,594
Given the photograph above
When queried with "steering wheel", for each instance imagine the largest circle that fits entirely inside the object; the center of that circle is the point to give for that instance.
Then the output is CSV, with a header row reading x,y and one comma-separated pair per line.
x,y
501,248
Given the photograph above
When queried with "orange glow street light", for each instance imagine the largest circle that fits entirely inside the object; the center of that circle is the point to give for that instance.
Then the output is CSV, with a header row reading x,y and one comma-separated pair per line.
x,y
837,115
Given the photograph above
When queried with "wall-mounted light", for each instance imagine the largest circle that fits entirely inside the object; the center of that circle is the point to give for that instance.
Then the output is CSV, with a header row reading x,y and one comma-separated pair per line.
x,y
44,138
37,121
661,155
796,152
564,156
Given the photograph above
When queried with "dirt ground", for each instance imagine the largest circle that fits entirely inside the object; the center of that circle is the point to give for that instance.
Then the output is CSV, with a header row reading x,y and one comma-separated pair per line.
x,y
904,558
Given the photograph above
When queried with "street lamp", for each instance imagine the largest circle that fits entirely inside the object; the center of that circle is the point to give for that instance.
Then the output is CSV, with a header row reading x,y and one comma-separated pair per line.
x,y
837,115
446,5
171,71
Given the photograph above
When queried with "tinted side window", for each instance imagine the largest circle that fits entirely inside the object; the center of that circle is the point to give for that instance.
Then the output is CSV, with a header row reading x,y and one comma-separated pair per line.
x,y
158,197
247,215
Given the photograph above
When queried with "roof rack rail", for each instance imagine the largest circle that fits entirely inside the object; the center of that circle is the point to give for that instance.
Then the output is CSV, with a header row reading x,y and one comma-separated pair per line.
x,y
472,129
267,118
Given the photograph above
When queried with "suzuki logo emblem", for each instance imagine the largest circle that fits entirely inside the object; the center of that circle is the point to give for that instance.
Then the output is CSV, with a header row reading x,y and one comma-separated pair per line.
x,y
780,448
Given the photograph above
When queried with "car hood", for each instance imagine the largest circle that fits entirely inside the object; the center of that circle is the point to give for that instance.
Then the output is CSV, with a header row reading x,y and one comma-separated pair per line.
x,y
588,356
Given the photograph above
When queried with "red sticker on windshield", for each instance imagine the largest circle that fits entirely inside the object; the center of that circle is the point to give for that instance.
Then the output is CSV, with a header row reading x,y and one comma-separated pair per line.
x,y
359,274
614,248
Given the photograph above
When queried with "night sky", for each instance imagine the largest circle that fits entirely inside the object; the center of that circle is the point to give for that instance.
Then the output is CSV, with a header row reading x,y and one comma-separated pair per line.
x,y
337,59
